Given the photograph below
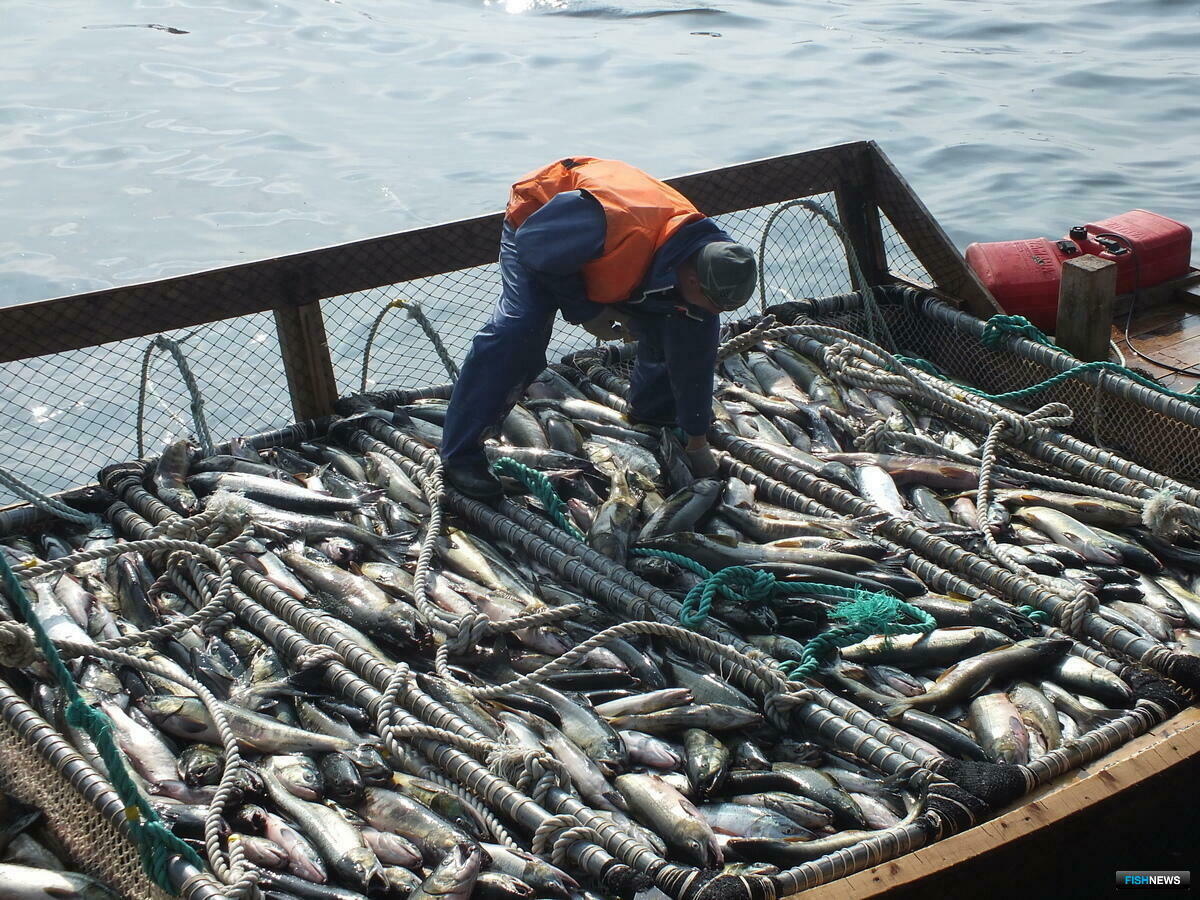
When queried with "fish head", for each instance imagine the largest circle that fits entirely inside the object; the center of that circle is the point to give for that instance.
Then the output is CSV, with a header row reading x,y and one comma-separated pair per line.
x,y
205,481
360,867
201,764
252,817
180,711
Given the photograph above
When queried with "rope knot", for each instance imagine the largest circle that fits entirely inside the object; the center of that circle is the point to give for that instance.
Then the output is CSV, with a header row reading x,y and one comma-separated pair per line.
x,y
740,584
17,647
759,586
1075,611
533,772
997,327
778,704
560,832
1164,513
471,630
317,655
875,438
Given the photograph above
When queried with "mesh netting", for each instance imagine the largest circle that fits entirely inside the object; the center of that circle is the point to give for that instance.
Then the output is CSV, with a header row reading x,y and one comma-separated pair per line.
x,y
901,260
91,841
64,416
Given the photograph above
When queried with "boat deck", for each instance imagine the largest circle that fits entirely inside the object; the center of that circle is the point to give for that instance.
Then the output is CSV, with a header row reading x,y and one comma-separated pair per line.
x,y
1169,333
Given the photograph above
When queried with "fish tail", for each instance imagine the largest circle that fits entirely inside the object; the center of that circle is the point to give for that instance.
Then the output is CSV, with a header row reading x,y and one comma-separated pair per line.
x,y
894,711
368,499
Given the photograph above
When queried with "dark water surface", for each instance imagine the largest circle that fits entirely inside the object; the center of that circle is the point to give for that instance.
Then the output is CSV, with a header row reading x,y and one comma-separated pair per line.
x,y
141,140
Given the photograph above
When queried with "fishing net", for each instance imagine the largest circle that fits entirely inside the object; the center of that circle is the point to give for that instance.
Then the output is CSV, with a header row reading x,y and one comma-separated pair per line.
x,y
400,312
88,838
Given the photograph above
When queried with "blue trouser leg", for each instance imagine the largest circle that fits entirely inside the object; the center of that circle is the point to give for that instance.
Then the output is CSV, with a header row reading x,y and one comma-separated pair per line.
x,y
650,394
506,355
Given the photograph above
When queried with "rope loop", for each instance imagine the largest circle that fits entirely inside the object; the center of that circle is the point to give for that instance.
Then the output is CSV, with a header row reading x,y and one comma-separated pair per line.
x,y
17,646
997,327
539,485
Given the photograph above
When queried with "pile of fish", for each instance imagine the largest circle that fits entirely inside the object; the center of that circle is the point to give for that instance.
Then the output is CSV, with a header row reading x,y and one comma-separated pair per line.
x,y
658,743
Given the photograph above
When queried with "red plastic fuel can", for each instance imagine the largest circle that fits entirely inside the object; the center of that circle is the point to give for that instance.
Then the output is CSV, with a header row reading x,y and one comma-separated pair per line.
x,y
1023,276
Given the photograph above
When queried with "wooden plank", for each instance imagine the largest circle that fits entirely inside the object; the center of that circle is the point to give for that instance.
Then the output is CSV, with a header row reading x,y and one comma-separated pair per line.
x,y
1151,321
859,215
767,181
1160,294
927,240
1086,293
304,348
1124,769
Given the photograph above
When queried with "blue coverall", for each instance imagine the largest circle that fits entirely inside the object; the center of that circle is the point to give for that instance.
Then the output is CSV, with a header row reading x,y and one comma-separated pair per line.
x,y
540,266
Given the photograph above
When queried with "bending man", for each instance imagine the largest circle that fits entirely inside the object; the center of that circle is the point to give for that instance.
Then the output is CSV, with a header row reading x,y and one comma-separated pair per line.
x,y
601,242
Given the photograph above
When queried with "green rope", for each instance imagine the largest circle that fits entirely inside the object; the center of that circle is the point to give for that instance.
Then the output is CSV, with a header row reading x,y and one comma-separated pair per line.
x,y
1032,612
997,327
867,613
539,485
154,841
915,362
1099,365
925,365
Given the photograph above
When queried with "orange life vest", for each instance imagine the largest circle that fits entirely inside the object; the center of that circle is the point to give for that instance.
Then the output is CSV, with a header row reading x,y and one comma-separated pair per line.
x,y
641,214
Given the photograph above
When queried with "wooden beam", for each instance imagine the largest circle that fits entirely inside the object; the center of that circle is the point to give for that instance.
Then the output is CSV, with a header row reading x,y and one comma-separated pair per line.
x,y
304,348
1124,769
1086,294
927,240
99,317
859,215
766,181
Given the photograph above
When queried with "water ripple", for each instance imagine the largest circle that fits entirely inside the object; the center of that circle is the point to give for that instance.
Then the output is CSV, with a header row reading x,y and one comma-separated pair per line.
x,y
272,126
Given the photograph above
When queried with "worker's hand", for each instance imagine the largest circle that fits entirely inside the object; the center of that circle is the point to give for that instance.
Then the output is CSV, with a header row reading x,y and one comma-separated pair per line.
x,y
700,457
610,325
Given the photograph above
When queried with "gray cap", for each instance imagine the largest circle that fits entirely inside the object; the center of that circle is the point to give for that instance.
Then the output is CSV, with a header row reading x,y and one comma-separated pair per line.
x,y
727,273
